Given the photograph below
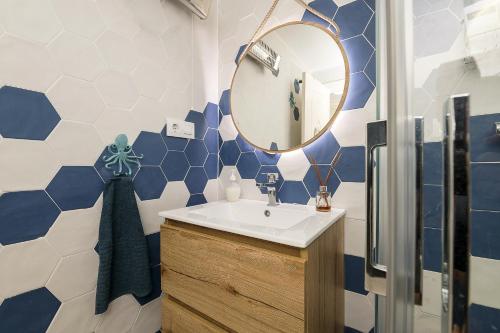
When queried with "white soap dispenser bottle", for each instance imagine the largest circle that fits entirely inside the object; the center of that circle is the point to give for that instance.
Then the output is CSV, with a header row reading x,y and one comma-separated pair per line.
x,y
233,191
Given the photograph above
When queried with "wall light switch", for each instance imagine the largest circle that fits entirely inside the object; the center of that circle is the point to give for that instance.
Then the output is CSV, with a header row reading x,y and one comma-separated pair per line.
x,y
180,129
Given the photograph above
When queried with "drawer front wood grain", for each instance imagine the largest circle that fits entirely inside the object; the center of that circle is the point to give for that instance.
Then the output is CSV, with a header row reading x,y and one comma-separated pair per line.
x,y
177,319
236,284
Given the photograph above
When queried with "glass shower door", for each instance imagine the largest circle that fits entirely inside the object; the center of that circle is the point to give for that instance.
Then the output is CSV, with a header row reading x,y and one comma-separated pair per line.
x,y
454,86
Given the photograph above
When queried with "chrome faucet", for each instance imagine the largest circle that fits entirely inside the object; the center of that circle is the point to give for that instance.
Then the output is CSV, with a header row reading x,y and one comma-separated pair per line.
x,y
271,187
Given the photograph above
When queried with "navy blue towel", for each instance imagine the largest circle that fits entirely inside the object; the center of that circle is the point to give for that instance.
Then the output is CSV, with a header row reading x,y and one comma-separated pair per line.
x,y
123,251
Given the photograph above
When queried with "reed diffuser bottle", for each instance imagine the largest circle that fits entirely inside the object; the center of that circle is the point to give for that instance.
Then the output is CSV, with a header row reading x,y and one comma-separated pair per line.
x,y
323,196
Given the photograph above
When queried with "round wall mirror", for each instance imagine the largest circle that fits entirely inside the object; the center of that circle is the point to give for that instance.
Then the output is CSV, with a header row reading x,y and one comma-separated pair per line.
x,y
289,86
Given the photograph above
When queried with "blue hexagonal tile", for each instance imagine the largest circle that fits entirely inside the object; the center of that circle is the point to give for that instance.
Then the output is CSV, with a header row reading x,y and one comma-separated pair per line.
x,y
149,183
221,165
262,177
325,7
211,166
153,241
371,68
310,17
196,199
354,276
200,123
105,173
293,192
240,52
360,90
312,183
324,149
156,292
266,158
75,187
211,114
196,152
173,143
224,103
371,4
196,180
370,32
151,146
244,146
358,52
351,165
212,141
31,312
175,166
25,216
26,114
248,165
353,18
229,152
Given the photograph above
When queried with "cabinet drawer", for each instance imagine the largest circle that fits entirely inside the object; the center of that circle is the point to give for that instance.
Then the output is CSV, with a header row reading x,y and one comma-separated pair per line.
x,y
243,287
177,319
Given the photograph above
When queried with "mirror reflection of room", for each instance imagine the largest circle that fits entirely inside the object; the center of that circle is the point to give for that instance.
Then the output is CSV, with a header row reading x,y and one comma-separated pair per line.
x,y
284,92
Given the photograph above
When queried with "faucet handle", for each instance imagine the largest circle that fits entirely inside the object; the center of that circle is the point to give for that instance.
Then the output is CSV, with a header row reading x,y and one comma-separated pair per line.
x,y
272,177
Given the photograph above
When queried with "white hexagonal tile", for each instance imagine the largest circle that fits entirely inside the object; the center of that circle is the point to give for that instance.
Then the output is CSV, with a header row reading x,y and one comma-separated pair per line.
x,y
120,316
75,143
175,195
426,323
26,266
180,72
359,312
486,87
177,104
77,56
74,276
227,130
117,89
485,274
26,164
354,233
119,52
80,16
150,47
148,115
351,197
443,21
211,192
443,79
349,127
118,17
151,79
150,14
149,319
117,121
431,301
27,65
249,190
293,165
75,231
34,20
76,100
76,316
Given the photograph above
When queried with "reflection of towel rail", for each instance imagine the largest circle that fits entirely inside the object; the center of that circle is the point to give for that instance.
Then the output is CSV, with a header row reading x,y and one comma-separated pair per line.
x,y
264,54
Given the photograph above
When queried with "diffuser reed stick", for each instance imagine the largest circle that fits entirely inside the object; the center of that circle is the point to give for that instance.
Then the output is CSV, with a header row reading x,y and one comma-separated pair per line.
x,y
323,182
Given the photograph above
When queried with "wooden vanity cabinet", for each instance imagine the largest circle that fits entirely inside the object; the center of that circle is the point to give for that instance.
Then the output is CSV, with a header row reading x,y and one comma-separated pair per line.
x,y
215,281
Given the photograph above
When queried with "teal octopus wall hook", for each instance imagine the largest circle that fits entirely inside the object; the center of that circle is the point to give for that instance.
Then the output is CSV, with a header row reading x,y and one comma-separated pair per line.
x,y
121,155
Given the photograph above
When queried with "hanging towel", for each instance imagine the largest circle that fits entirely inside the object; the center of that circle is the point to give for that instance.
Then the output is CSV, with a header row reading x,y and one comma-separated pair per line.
x,y
123,251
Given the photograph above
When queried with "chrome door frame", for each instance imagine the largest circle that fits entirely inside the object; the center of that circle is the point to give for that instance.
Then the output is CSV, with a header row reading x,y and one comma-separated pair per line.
x,y
401,160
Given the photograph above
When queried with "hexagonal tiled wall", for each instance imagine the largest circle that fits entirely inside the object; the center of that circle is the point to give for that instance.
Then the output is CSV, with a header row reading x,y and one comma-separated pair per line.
x,y
73,75
298,183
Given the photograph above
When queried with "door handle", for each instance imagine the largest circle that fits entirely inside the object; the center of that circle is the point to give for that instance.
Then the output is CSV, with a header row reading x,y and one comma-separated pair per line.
x,y
456,221
375,273
419,209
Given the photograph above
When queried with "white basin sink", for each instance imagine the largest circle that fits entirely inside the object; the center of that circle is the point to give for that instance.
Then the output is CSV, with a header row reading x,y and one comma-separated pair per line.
x,y
294,225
